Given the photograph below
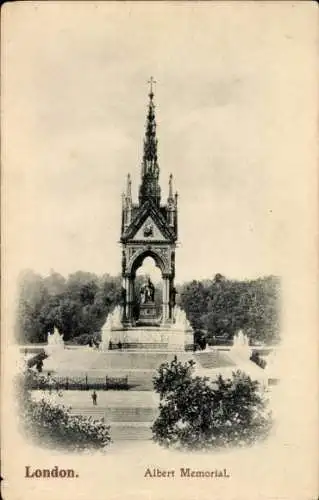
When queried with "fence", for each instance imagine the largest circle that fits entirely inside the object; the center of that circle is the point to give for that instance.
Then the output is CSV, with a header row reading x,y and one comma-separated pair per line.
x,y
80,383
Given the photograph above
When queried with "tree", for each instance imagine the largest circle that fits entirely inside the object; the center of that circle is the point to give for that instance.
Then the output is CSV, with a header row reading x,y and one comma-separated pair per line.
x,y
55,284
200,339
256,358
194,302
32,298
76,306
218,278
79,305
196,414
222,306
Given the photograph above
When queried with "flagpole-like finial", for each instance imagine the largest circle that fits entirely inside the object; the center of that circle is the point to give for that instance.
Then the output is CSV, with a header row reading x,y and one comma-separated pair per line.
x,y
152,82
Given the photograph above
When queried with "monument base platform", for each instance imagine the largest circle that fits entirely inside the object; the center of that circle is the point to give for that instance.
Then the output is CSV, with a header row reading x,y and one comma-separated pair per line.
x,y
148,312
150,338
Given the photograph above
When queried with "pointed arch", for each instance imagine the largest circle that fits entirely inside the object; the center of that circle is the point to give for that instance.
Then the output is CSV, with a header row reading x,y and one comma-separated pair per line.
x,y
139,256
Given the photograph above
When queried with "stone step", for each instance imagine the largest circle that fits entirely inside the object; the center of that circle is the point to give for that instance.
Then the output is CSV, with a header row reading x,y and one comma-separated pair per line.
x,y
104,363
213,359
95,413
135,360
131,431
90,359
119,414
124,429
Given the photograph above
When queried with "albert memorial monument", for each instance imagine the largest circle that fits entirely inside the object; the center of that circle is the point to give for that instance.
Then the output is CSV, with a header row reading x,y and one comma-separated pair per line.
x,y
148,229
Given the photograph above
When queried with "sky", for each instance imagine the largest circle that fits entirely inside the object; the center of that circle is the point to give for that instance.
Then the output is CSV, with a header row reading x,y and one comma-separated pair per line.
x,y
228,93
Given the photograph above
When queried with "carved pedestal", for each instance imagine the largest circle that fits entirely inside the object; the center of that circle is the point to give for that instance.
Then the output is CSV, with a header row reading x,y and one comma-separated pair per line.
x,y
147,314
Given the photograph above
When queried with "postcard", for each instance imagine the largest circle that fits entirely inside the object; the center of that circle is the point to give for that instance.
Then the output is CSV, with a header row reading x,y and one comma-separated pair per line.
x,y
159,250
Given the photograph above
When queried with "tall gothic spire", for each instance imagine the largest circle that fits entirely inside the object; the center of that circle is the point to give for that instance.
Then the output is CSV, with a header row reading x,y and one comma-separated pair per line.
x,y
149,188
150,141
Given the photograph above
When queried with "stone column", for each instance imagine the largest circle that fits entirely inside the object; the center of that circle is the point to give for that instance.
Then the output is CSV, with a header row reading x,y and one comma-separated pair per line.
x,y
170,297
124,300
130,298
165,299
133,296
127,314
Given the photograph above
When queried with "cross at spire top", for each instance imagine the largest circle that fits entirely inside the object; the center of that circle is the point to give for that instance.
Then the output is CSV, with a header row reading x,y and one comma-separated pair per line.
x,y
151,81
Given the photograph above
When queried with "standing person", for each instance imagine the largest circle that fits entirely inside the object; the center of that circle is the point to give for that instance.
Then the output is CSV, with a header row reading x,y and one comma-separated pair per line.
x,y
119,345
94,398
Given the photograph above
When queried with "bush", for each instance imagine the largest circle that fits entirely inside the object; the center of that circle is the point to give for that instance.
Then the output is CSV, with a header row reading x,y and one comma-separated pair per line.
x,y
196,414
37,360
90,339
84,339
256,358
53,425
200,340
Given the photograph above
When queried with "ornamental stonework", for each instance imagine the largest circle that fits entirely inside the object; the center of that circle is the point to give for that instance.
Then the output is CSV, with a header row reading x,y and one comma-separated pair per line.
x,y
164,252
149,228
132,252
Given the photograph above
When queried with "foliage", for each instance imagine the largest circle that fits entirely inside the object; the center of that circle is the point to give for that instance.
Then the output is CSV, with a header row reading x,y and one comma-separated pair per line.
x,y
196,414
83,339
171,375
222,307
256,358
37,360
51,424
200,341
77,305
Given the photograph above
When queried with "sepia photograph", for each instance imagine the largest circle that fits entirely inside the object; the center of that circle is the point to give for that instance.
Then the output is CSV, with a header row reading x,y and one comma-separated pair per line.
x,y
159,258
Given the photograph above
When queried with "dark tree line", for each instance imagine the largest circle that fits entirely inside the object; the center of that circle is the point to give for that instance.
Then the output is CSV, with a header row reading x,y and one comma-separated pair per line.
x,y
220,307
78,305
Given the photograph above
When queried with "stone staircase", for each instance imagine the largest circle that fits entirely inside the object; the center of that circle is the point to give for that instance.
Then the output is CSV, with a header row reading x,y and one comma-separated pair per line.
x,y
213,359
89,359
131,413
118,414
131,431
141,360
126,423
